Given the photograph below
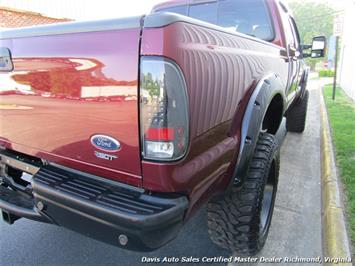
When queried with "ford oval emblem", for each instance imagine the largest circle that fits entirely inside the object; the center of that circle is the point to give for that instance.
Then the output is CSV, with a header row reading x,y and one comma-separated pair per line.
x,y
105,143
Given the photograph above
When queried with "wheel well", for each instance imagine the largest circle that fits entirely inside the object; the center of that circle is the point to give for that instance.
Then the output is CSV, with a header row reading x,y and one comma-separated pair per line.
x,y
273,115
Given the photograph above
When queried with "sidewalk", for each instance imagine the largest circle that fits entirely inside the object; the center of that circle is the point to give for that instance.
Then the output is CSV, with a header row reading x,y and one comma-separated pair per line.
x,y
296,228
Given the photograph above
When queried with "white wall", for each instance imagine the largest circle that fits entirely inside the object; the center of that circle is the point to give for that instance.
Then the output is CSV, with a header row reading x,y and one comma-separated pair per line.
x,y
347,56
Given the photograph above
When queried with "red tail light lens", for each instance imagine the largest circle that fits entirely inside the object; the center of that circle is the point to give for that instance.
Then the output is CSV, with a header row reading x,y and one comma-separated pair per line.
x,y
163,110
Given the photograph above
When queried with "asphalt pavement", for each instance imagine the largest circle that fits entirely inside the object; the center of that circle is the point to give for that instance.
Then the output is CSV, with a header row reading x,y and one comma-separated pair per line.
x,y
295,230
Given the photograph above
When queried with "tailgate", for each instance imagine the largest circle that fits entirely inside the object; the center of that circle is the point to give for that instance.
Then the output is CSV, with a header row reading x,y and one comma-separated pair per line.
x,y
72,96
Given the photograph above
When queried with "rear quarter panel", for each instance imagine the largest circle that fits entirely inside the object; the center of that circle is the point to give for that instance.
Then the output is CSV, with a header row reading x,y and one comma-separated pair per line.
x,y
221,70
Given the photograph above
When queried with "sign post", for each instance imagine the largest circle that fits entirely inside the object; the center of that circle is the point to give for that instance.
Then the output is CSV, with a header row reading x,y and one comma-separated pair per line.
x,y
338,31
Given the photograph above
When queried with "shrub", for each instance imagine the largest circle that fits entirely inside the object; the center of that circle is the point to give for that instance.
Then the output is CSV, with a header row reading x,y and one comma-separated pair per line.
x,y
326,73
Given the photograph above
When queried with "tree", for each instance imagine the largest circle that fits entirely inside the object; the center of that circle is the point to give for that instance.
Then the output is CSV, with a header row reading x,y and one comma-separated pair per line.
x,y
313,19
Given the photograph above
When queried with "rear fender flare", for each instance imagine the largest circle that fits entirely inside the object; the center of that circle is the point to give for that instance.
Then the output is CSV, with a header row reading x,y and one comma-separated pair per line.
x,y
264,92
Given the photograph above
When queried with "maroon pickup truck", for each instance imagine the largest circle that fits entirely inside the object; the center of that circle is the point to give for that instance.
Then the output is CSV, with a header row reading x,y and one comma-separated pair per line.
x,y
121,129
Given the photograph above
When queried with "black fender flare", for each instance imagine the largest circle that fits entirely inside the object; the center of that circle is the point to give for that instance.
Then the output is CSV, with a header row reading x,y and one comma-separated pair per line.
x,y
266,89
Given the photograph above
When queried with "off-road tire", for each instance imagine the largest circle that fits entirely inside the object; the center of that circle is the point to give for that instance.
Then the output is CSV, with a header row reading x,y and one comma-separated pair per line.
x,y
296,118
234,221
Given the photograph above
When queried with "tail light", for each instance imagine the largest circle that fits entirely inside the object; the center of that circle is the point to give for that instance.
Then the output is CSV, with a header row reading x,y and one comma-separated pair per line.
x,y
163,110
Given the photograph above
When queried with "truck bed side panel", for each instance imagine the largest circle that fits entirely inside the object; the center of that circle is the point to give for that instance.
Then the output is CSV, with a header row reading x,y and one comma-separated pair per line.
x,y
221,71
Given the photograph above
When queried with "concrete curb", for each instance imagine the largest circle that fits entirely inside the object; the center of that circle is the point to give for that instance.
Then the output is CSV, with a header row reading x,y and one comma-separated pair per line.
x,y
335,238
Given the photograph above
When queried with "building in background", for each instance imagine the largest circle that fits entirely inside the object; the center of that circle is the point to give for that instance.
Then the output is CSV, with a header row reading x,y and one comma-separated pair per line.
x,y
347,54
15,18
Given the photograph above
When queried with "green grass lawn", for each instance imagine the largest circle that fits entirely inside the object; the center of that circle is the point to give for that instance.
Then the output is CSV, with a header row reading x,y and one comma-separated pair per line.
x,y
342,119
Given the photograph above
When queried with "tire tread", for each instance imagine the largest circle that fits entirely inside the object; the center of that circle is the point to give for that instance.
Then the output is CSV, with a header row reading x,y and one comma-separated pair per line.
x,y
296,118
233,222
